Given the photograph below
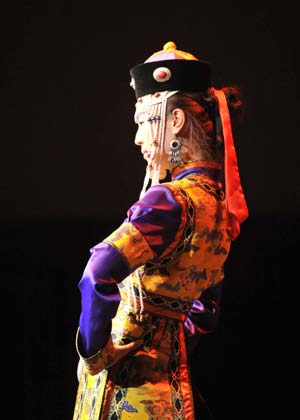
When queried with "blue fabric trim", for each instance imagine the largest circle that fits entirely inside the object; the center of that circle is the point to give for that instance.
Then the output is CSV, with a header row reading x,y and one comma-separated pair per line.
x,y
210,172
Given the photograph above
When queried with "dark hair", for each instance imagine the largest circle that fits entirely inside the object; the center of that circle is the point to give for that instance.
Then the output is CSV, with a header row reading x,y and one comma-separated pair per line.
x,y
234,100
203,120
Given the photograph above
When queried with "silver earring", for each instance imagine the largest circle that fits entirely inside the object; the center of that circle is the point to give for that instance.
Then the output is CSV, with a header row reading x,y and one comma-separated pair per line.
x,y
174,153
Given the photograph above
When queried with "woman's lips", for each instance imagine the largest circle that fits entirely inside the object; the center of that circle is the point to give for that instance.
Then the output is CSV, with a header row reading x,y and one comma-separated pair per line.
x,y
146,155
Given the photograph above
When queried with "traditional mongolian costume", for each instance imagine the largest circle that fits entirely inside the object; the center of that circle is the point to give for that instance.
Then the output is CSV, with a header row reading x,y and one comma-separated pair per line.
x,y
157,275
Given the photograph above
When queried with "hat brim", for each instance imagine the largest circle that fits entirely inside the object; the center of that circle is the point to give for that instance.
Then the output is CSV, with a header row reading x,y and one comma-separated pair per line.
x,y
186,75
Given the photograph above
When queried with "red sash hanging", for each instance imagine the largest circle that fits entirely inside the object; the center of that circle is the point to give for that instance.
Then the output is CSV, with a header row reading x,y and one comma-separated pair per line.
x,y
235,199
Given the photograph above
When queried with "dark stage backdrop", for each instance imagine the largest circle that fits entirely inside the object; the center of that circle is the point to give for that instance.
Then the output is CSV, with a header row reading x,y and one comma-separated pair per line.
x,y
71,170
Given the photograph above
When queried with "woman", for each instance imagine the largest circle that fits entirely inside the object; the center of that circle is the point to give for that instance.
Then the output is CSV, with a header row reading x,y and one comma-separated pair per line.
x,y
153,285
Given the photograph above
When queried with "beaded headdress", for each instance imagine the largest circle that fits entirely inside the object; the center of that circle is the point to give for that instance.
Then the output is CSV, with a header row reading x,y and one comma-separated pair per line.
x,y
162,75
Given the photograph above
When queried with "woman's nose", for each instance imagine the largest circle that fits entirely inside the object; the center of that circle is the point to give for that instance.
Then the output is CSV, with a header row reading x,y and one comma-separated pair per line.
x,y
138,141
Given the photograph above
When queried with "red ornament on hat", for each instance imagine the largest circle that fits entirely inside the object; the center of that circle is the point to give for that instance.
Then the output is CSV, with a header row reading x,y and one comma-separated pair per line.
x,y
162,74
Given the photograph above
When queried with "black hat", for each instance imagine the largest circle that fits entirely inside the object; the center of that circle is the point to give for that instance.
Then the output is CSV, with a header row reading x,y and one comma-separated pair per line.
x,y
170,70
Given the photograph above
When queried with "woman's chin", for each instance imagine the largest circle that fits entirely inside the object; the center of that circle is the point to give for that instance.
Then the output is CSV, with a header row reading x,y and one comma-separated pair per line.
x,y
163,172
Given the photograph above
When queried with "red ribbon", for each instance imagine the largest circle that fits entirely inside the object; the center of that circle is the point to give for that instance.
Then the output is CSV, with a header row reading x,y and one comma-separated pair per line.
x,y
235,199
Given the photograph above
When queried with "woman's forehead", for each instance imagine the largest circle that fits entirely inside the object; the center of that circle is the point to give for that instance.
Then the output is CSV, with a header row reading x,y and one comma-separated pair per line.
x,y
141,115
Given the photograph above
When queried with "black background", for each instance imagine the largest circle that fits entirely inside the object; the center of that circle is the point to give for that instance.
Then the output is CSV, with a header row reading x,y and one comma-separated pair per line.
x,y
71,170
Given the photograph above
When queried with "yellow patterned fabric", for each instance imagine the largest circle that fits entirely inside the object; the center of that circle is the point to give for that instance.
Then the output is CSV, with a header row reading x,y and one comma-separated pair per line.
x,y
154,382
89,396
200,266
131,245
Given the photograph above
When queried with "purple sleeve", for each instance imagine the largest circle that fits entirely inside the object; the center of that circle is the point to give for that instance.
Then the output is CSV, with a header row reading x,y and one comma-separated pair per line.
x,y
205,312
99,296
157,216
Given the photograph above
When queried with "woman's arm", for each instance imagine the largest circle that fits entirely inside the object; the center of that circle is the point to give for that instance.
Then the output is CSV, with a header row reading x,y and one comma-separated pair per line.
x,y
148,230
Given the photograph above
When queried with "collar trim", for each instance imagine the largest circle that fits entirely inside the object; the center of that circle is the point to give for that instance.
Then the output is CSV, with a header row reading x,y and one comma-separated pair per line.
x,y
208,168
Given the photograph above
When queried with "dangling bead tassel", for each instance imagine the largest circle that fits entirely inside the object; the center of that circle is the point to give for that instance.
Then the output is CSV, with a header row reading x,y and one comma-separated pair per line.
x,y
131,298
141,309
146,182
154,118
137,312
160,140
174,152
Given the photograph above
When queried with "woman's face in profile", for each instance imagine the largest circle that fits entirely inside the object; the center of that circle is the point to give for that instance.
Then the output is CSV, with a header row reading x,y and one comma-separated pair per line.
x,y
143,137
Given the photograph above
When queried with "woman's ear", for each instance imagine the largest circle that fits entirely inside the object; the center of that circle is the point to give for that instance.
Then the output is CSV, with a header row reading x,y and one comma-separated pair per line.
x,y
178,120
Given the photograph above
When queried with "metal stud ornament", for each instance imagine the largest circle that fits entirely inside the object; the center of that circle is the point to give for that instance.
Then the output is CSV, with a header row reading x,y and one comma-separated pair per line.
x,y
174,152
162,74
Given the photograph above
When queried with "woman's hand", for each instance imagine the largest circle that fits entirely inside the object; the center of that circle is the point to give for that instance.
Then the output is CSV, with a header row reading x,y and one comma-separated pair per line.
x,y
109,356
